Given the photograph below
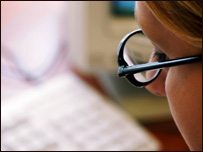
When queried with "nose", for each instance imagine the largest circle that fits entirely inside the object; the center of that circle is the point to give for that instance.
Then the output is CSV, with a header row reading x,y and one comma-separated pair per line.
x,y
157,87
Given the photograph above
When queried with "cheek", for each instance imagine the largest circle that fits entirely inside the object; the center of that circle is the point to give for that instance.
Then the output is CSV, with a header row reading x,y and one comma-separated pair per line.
x,y
183,87
184,93
179,91
172,87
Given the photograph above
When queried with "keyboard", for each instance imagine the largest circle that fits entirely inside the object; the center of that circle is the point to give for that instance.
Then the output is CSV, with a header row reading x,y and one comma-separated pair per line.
x,y
65,114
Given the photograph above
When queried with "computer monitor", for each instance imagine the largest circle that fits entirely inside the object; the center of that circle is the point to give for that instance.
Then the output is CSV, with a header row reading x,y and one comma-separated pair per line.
x,y
95,29
122,8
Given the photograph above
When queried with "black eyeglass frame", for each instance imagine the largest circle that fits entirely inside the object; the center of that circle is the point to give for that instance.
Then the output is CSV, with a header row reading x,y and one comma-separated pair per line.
x,y
128,71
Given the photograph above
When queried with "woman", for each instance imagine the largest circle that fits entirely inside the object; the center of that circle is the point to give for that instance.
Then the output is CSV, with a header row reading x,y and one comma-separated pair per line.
x,y
173,28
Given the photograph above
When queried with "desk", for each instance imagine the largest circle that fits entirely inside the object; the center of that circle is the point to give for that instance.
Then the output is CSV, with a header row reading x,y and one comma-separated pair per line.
x,y
166,132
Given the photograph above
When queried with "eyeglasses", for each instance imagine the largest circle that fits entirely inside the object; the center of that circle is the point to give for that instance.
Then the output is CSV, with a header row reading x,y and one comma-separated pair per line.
x,y
135,51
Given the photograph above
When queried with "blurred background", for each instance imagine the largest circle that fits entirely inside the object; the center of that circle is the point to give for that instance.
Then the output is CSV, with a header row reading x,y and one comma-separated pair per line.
x,y
41,40
32,43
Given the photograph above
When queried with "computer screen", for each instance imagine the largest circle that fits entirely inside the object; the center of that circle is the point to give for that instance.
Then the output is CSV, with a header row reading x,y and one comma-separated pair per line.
x,y
123,8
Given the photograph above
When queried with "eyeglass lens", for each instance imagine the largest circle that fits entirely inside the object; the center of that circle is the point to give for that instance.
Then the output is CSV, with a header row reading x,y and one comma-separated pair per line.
x,y
138,50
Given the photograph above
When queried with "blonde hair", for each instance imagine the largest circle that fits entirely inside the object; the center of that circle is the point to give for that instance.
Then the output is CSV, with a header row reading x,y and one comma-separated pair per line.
x,y
183,18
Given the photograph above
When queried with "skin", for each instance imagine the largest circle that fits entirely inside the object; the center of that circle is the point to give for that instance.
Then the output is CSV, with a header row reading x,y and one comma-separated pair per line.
x,y
182,85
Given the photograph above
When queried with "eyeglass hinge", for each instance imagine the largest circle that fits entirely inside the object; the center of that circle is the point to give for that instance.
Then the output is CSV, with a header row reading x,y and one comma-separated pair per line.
x,y
120,71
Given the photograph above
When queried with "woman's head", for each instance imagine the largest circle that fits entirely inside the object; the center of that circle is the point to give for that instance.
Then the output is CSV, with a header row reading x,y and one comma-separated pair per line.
x,y
175,29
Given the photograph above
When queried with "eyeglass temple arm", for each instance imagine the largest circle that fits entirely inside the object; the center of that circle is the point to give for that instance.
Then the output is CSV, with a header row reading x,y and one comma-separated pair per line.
x,y
125,70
